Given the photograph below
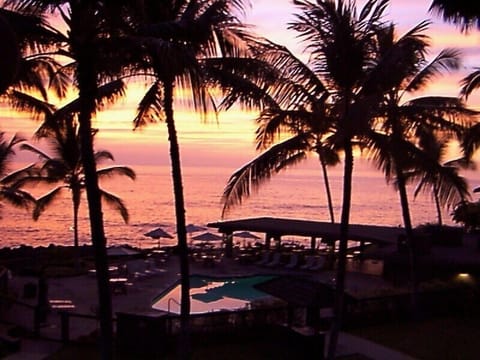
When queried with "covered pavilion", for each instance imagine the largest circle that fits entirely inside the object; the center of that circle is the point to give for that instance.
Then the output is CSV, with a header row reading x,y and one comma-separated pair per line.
x,y
275,228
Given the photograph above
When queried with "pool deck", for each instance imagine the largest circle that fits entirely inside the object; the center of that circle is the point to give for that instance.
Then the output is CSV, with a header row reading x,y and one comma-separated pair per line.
x,y
81,292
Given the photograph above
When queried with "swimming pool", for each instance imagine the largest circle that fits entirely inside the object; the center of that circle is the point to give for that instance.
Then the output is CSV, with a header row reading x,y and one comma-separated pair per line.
x,y
209,294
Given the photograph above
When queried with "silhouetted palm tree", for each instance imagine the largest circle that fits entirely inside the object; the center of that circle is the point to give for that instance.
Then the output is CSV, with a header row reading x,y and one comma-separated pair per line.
x,y
292,102
90,43
65,166
341,43
178,36
339,103
401,70
437,148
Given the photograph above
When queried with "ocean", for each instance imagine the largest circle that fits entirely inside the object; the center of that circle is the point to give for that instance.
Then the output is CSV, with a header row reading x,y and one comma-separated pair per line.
x,y
296,193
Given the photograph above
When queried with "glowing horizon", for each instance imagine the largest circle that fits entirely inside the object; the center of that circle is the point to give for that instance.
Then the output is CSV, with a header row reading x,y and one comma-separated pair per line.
x,y
230,141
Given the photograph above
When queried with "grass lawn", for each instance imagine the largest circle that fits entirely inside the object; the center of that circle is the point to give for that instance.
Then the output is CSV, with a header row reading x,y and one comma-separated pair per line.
x,y
445,338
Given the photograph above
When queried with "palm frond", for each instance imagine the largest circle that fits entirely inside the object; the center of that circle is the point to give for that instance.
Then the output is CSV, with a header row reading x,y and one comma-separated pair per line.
x,y
259,170
150,108
461,12
16,197
37,151
447,60
7,150
102,155
45,200
116,203
470,83
117,170
16,176
471,140
39,109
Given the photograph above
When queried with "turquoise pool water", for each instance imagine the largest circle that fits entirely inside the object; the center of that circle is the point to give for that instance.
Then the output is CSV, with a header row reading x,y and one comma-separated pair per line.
x,y
209,294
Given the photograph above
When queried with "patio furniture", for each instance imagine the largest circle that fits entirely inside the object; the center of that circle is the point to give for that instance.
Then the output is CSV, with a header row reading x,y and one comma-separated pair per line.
x,y
319,263
265,258
309,262
294,261
276,260
118,285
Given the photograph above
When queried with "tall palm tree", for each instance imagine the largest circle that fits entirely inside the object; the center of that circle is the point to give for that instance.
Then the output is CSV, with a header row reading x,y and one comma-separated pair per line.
x,y
342,46
92,52
179,36
401,70
338,103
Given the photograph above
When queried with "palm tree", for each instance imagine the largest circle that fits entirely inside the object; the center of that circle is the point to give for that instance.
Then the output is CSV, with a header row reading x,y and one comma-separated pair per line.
x,y
342,46
59,129
66,167
436,148
92,49
11,182
401,70
179,36
337,107
292,103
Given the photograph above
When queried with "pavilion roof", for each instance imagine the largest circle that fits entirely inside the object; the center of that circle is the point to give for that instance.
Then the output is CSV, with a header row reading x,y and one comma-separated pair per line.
x,y
285,226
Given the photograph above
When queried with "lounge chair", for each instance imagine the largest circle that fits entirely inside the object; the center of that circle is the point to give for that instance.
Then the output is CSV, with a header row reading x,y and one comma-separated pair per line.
x,y
319,263
276,260
293,263
137,269
265,258
309,262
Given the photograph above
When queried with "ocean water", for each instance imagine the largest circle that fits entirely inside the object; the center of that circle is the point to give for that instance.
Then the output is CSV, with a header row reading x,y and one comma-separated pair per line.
x,y
296,193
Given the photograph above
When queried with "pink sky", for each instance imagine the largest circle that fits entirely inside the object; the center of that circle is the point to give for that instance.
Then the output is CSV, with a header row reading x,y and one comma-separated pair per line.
x,y
229,141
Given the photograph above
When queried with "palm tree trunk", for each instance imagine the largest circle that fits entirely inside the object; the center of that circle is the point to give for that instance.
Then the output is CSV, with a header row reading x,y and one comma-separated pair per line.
x,y
184,345
87,85
342,251
76,206
407,222
437,205
326,181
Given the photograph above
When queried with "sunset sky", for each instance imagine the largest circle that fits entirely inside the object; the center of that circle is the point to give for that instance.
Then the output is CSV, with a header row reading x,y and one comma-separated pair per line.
x,y
229,141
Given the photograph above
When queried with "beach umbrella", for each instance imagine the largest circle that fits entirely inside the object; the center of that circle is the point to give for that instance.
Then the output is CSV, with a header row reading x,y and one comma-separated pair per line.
x,y
191,228
158,233
246,235
121,251
208,236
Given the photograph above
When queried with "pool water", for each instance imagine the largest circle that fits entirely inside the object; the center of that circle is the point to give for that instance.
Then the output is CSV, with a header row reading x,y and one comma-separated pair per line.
x,y
208,294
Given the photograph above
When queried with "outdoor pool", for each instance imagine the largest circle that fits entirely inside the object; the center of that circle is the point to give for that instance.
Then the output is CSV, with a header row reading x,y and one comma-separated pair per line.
x,y
209,294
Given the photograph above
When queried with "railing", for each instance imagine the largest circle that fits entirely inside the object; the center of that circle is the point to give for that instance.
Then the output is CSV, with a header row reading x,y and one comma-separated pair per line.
x,y
174,301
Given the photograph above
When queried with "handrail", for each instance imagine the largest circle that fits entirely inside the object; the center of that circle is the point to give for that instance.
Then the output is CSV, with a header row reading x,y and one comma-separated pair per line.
x,y
168,304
